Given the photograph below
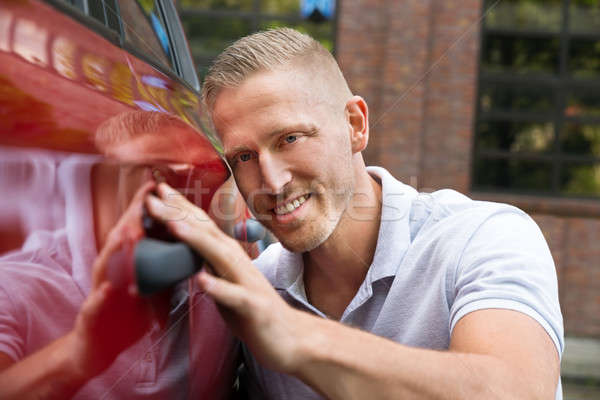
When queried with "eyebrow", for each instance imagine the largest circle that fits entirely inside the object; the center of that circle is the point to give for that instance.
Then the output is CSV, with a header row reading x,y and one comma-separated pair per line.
x,y
310,128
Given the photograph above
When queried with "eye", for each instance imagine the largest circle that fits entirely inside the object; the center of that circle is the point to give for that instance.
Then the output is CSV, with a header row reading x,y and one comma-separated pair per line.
x,y
244,157
290,138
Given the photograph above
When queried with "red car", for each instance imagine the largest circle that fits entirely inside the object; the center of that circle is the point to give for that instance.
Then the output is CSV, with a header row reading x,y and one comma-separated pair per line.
x,y
96,98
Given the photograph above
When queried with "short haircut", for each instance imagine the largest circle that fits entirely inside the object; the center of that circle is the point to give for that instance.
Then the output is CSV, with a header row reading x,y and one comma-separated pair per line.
x,y
263,51
125,127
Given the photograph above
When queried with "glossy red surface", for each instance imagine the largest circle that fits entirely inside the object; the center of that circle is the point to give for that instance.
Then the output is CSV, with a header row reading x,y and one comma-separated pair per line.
x,y
69,95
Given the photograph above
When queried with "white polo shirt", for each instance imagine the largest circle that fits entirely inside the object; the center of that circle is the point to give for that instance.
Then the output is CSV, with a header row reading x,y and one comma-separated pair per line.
x,y
438,257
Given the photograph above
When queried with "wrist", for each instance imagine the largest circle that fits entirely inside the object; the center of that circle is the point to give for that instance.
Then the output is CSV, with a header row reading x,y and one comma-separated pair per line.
x,y
311,340
79,362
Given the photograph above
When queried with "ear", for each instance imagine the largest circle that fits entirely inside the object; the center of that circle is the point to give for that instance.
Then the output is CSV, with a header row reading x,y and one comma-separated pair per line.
x,y
357,115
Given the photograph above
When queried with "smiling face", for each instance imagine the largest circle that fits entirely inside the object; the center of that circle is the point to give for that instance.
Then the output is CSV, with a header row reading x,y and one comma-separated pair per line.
x,y
287,139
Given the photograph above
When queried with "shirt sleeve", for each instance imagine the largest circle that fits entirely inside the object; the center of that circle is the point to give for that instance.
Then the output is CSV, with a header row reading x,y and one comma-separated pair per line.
x,y
507,264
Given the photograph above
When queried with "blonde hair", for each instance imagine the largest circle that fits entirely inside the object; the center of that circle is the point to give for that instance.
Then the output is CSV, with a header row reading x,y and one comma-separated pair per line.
x,y
262,51
130,125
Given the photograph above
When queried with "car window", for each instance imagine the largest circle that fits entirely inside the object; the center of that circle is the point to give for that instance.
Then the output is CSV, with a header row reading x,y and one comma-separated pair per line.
x,y
103,11
144,30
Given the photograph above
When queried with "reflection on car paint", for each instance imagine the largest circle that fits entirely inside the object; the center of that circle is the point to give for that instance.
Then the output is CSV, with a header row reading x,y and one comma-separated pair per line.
x,y
119,79
66,96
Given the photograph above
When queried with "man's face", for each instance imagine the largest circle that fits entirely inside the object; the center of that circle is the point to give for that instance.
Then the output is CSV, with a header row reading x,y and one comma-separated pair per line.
x,y
289,148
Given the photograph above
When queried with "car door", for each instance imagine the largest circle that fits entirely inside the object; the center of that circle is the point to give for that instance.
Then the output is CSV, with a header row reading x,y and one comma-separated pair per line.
x,y
109,85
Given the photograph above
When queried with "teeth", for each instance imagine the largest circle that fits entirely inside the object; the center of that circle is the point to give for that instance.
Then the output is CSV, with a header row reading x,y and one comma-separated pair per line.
x,y
291,206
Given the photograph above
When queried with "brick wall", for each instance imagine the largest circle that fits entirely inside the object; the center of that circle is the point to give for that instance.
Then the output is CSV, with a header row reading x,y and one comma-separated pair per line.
x,y
415,62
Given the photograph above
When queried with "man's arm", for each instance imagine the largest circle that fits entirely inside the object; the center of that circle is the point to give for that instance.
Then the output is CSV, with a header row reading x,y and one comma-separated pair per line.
x,y
110,320
493,353
51,373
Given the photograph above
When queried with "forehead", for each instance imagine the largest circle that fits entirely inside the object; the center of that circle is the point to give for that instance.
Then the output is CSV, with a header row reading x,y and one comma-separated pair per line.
x,y
266,101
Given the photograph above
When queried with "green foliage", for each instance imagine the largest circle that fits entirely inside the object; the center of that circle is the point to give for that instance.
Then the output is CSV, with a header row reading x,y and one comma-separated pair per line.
x,y
208,34
581,139
217,4
147,6
322,32
280,6
582,180
522,175
516,136
520,55
503,97
584,58
525,14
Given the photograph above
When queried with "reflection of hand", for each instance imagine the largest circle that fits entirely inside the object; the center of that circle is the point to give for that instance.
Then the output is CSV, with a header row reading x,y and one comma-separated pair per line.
x,y
113,317
252,308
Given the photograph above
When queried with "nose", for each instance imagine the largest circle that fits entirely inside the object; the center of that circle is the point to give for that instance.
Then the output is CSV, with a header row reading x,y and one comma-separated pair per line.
x,y
274,173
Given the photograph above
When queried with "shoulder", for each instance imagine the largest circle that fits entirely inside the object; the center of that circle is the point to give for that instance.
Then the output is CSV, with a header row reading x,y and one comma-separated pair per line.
x,y
39,271
456,231
449,213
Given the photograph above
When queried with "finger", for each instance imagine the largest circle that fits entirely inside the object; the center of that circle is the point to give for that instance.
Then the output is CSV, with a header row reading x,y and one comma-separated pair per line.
x,y
227,294
166,192
165,212
204,236
95,300
175,198
100,264
142,192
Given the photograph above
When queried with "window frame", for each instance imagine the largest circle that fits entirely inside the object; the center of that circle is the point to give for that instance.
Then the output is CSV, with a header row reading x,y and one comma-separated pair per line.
x,y
180,56
72,11
560,84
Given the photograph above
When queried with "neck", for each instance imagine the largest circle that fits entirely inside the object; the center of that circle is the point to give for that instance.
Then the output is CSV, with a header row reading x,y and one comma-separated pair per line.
x,y
343,260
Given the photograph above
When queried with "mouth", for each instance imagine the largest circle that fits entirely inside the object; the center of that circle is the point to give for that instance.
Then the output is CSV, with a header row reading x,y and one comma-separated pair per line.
x,y
290,208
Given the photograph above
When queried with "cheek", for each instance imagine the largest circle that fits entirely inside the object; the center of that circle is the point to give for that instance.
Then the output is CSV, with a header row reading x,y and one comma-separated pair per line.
x,y
247,180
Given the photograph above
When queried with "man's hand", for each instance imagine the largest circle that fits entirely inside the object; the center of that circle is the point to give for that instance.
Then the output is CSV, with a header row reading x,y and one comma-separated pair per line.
x,y
114,316
253,309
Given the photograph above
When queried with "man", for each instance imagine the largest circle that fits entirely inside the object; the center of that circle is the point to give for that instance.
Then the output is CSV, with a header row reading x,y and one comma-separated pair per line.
x,y
379,291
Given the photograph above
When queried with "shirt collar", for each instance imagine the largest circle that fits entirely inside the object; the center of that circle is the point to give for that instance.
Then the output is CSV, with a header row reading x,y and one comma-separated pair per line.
x,y
394,231
392,241
289,269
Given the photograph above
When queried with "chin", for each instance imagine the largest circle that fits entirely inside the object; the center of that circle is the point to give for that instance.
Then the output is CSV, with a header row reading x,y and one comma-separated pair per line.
x,y
302,242
299,247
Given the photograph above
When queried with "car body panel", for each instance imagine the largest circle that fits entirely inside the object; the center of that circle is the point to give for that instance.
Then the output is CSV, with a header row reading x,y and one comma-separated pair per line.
x,y
66,92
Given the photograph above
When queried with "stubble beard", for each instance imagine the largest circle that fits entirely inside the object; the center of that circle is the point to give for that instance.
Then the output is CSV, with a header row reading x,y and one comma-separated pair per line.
x,y
316,231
